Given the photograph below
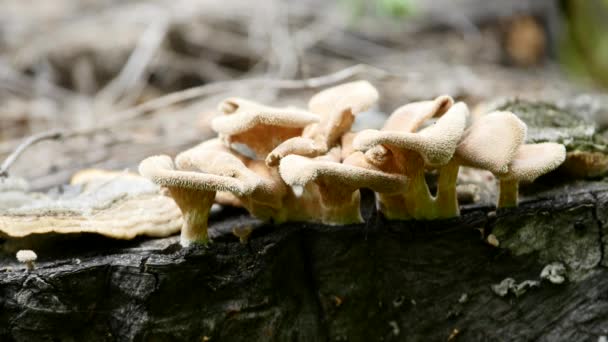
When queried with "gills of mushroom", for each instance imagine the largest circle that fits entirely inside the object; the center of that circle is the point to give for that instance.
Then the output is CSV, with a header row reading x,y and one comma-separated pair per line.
x,y
260,128
490,144
410,153
337,107
530,162
337,184
194,193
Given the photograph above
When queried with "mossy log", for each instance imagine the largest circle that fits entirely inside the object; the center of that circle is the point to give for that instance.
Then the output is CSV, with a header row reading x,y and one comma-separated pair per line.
x,y
382,280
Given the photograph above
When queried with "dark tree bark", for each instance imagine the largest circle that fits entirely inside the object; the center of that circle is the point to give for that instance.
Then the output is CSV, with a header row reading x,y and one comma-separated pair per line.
x,y
381,280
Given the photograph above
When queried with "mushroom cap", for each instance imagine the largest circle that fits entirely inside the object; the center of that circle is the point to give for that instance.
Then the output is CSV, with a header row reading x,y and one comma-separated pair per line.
x,y
160,170
242,115
492,142
410,117
534,160
436,144
298,170
338,106
355,97
26,255
266,188
297,145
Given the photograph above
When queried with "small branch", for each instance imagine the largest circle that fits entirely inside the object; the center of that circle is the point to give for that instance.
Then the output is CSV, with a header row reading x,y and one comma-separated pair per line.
x,y
32,140
185,95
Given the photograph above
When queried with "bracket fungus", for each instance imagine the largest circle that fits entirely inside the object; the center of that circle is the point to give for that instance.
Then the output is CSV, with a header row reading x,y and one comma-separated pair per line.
x,y
115,204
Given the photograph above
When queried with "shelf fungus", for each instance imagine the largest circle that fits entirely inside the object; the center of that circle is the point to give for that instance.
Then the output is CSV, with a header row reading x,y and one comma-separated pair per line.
x,y
113,204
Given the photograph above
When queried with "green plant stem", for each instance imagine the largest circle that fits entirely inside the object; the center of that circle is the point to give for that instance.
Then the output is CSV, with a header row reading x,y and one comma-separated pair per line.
x,y
509,191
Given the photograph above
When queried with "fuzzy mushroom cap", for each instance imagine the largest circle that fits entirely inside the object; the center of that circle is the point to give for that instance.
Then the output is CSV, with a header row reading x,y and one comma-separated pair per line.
x,y
160,170
26,255
242,115
534,160
298,145
255,174
492,142
298,170
338,106
410,117
261,128
355,97
436,144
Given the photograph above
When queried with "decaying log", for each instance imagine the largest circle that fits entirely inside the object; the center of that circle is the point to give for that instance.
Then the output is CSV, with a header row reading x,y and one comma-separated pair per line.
x,y
382,280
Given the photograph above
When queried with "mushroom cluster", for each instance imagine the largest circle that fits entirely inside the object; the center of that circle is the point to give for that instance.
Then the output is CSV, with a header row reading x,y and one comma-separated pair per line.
x,y
289,164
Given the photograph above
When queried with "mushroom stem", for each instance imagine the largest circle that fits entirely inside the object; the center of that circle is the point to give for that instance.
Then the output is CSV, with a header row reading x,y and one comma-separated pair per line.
x,y
509,190
447,199
418,200
392,207
339,206
195,206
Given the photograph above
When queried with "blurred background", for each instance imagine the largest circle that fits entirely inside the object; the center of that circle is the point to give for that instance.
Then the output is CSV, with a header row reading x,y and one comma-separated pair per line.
x,y
119,80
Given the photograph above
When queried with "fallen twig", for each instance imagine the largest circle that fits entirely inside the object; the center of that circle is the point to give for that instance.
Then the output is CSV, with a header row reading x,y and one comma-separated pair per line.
x,y
185,95
31,140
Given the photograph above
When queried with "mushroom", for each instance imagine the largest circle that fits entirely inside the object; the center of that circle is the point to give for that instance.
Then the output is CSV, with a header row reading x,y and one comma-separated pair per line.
x,y
337,107
269,198
409,117
337,184
490,144
530,162
27,257
410,153
260,127
193,192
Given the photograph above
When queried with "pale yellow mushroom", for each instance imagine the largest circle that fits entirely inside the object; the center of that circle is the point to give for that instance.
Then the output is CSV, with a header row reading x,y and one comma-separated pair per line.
x,y
194,193
337,185
530,162
409,117
409,153
259,127
337,107
490,144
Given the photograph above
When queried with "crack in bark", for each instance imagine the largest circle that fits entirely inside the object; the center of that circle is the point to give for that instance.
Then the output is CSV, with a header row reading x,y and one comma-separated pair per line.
x,y
311,285
600,226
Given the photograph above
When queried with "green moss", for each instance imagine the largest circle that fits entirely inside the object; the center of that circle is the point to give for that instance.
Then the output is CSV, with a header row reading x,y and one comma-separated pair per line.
x,y
548,123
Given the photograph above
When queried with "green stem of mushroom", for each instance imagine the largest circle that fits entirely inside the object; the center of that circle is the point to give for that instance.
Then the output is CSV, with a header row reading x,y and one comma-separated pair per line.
x,y
195,206
393,207
340,206
418,200
447,199
509,191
